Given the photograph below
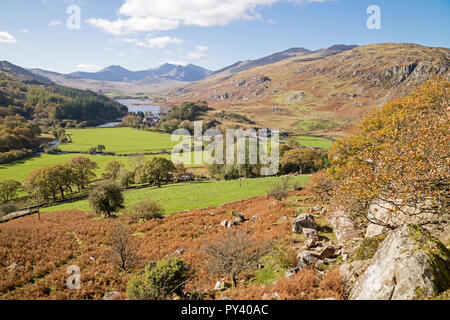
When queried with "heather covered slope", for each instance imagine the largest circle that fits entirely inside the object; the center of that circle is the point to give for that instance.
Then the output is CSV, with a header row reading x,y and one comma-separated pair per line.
x,y
319,93
46,249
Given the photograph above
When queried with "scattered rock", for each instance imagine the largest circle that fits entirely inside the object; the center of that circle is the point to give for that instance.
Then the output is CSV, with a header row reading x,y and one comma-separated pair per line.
x,y
291,272
328,252
224,223
304,221
256,217
112,296
344,226
221,285
15,267
178,252
408,261
307,257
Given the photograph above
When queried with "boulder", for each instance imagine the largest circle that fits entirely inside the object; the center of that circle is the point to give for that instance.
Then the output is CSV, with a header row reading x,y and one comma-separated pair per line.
x,y
344,226
409,261
221,285
395,214
311,237
291,272
112,296
15,267
224,223
326,253
304,221
178,252
306,257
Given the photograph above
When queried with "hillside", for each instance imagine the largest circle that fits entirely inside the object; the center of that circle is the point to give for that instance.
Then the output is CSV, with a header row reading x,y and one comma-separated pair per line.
x,y
317,92
29,105
121,80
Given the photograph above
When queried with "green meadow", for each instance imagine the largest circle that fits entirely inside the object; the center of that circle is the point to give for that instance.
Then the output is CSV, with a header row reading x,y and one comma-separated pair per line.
x,y
189,196
118,140
314,142
19,170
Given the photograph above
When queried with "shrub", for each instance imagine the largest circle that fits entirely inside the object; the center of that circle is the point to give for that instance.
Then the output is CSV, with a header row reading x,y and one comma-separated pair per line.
x,y
14,155
146,210
280,189
159,281
7,208
9,190
320,186
106,198
234,254
53,150
285,256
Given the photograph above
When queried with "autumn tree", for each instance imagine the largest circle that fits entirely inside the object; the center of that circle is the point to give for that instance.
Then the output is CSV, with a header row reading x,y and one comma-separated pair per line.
x,y
41,183
399,155
9,190
112,170
106,198
156,171
83,169
302,160
321,186
123,252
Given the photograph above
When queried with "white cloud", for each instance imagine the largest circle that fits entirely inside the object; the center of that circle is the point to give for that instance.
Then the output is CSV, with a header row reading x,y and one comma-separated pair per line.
x,y
133,24
150,42
201,48
5,37
89,67
163,15
54,23
24,30
197,55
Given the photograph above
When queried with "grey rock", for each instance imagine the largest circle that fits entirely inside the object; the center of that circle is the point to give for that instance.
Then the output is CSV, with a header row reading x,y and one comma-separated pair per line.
x,y
304,221
112,296
407,261
326,253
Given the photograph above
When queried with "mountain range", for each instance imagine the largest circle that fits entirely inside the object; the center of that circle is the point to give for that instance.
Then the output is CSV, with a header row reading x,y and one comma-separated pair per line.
x,y
325,91
118,79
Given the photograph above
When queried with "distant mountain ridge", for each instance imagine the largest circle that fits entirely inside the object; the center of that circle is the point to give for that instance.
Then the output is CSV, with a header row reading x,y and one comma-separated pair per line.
x,y
116,73
22,74
280,56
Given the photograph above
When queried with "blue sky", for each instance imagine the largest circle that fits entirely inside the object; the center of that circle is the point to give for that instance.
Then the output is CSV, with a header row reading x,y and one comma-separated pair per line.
x,y
142,34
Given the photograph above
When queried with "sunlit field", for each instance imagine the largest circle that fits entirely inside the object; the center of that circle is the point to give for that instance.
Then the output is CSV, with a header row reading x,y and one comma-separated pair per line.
x,y
189,196
118,140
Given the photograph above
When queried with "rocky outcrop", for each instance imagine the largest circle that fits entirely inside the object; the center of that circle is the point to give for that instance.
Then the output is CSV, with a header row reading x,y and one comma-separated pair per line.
x,y
407,263
392,214
345,227
304,221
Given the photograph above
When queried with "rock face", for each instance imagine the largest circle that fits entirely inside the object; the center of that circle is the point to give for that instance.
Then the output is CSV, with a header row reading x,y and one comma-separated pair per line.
x,y
344,225
408,261
304,221
387,213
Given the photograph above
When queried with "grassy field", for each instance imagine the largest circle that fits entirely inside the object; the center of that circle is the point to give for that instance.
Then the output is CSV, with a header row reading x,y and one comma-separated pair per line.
x,y
19,170
118,140
315,142
188,196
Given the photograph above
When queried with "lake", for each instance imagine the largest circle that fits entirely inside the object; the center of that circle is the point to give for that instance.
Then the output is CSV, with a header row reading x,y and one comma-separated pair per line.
x,y
135,106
